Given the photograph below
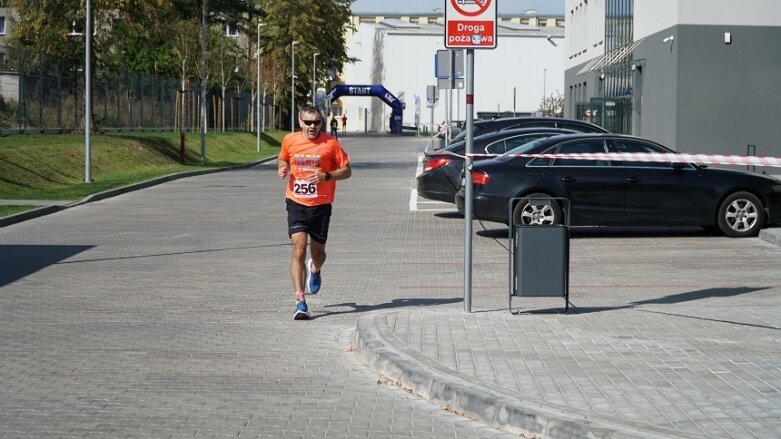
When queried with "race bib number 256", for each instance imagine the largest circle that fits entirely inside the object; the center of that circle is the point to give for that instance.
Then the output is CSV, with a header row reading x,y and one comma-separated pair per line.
x,y
304,189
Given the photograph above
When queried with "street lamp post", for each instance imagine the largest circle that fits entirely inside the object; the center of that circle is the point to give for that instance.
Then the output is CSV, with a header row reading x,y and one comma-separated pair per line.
x,y
314,78
87,89
293,86
88,94
203,82
257,91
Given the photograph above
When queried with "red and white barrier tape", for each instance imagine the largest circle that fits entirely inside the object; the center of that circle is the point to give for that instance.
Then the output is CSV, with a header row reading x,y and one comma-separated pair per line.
x,y
700,159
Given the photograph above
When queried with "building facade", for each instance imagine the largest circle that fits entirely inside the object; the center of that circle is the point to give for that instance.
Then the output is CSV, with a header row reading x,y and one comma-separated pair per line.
x,y
698,76
527,64
395,44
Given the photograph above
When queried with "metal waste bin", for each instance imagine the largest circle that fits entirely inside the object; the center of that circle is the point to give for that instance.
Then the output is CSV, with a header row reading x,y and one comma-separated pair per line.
x,y
539,259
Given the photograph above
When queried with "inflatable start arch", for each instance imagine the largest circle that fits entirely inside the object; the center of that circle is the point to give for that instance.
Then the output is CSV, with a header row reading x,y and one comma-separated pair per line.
x,y
397,107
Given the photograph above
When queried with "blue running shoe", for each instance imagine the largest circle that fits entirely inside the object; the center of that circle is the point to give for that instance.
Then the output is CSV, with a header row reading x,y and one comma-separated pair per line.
x,y
302,312
313,280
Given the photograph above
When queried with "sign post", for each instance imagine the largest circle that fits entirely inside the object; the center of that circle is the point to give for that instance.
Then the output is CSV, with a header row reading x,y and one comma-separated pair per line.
x,y
469,24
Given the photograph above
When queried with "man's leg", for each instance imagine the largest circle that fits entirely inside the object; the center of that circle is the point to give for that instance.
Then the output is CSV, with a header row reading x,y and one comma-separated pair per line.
x,y
317,250
318,232
297,264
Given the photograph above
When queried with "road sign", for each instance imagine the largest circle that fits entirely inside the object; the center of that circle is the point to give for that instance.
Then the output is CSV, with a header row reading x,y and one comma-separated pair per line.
x,y
470,24
444,83
432,94
442,64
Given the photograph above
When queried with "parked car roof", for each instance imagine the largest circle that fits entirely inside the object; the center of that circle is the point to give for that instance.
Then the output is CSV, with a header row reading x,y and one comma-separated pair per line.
x,y
487,125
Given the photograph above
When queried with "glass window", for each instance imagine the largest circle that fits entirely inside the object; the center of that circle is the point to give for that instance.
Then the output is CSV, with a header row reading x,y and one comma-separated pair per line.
x,y
537,123
231,30
583,128
515,142
496,148
2,25
512,145
627,145
580,147
528,148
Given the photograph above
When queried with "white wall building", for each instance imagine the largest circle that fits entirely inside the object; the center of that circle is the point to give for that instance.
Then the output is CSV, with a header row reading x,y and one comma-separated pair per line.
x,y
527,64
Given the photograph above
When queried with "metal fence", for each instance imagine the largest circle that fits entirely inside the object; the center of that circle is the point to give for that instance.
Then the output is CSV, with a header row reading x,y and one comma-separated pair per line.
x,y
40,95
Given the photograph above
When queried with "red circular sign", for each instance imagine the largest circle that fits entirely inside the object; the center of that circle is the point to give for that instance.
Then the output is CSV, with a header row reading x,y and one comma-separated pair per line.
x,y
482,6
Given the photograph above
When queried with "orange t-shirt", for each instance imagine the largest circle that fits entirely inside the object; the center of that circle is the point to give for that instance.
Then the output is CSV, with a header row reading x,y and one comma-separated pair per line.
x,y
305,156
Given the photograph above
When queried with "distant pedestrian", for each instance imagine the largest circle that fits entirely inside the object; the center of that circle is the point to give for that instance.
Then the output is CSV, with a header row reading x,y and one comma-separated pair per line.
x,y
313,161
344,123
334,126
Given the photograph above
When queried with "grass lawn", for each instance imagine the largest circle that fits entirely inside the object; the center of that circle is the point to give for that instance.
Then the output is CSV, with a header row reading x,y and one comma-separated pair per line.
x,y
51,167
10,210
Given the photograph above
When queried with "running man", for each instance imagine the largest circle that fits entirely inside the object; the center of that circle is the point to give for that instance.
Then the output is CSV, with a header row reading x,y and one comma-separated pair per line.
x,y
314,161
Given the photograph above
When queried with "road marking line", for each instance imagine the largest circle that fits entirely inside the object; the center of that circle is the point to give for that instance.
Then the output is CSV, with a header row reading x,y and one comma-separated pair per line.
x,y
413,204
413,200
419,169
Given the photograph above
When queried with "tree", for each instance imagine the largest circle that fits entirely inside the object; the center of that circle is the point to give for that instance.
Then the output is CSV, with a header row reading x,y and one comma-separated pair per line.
x,y
318,26
129,34
43,27
225,55
163,37
552,106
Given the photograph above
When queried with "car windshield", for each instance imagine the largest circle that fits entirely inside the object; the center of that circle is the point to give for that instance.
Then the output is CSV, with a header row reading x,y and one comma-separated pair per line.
x,y
459,136
477,129
455,146
526,147
459,145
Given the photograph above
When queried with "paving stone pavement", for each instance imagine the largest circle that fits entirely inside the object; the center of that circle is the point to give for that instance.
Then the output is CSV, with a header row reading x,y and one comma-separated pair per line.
x,y
167,312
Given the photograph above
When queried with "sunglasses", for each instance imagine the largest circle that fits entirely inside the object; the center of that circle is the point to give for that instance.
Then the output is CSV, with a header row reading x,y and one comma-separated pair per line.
x,y
317,122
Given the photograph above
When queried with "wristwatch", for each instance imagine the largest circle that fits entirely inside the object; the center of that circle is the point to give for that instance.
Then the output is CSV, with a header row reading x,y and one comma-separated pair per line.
x,y
328,176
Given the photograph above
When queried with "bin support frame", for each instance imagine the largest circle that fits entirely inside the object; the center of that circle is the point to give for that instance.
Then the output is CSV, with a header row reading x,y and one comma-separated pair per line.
x,y
512,278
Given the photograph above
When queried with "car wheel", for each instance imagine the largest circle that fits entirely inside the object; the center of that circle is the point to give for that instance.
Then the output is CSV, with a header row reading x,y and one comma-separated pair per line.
x,y
741,214
535,209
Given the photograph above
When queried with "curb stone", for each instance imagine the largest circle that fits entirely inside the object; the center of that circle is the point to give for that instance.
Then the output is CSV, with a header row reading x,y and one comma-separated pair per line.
x,y
771,235
381,350
46,210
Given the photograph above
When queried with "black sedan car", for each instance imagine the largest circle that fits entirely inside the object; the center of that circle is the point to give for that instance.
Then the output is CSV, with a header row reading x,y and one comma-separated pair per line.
x,y
483,126
441,176
627,193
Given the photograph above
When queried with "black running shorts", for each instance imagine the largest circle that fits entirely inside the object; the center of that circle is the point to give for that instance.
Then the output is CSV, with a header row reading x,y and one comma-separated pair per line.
x,y
314,220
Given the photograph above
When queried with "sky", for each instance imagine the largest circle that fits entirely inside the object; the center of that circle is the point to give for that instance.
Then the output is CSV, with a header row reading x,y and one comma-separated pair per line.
x,y
426,7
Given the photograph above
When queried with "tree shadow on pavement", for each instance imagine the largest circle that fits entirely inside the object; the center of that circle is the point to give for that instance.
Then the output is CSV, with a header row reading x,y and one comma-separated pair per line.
x,y
383,165
18,261
617,232
179,253
665,300
395,303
